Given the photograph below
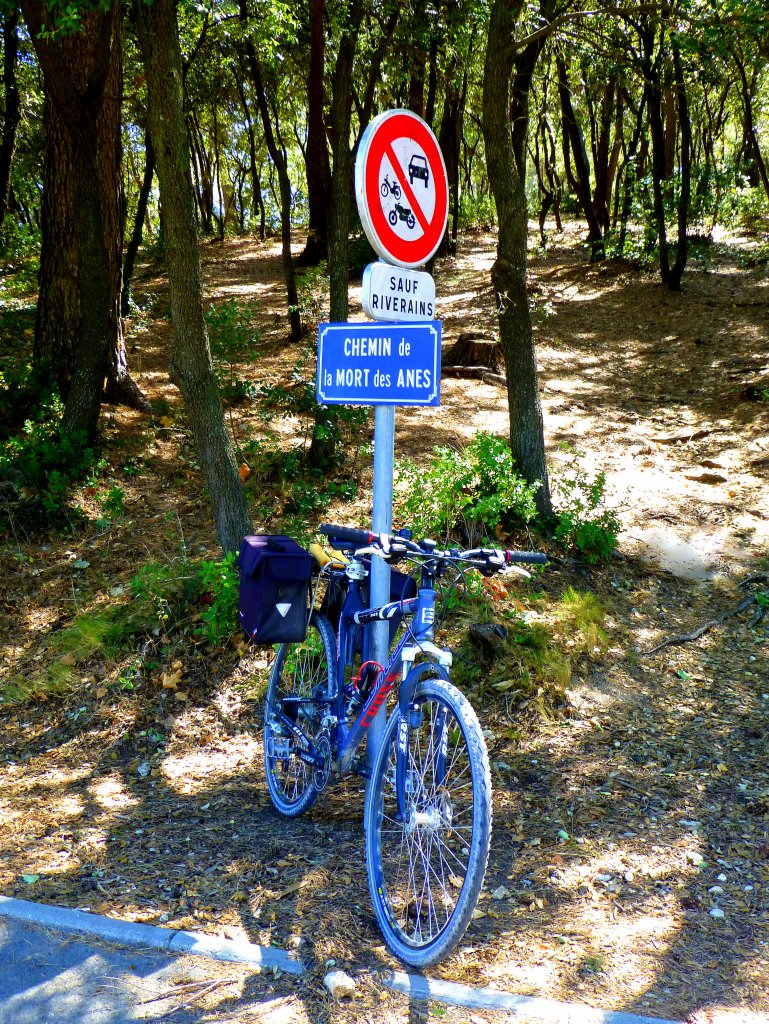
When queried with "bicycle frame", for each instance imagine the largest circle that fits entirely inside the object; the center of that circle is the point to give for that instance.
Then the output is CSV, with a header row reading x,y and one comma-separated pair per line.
x,y
417,639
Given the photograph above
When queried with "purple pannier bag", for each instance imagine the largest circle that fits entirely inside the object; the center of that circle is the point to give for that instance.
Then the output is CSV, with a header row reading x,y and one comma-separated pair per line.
x,y
274,589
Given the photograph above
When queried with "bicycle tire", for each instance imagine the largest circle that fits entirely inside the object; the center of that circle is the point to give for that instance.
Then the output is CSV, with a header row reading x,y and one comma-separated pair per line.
x,y
302,670
443,842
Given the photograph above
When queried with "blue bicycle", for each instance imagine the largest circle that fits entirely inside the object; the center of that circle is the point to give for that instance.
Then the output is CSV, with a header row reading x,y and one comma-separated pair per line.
x,y
427,817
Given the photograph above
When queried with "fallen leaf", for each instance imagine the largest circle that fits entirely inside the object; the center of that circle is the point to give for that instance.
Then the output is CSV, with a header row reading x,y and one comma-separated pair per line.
x,y
171,679
30,879
182,695
706,478
101,692
244,472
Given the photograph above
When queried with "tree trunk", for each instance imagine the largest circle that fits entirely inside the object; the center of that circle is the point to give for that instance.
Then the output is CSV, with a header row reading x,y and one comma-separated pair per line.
x,y
191,368
12,108
78,321
573,132
682,100
508,274
317,163
136,234
653,93
280,160
751,132
256,184
342,170
448,139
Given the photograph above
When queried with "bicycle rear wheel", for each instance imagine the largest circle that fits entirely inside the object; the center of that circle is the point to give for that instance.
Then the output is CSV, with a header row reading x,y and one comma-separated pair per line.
x,y
302,681
426,872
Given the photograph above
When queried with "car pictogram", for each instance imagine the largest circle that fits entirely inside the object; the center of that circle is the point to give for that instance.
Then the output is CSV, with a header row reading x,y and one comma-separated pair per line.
x,y
418,169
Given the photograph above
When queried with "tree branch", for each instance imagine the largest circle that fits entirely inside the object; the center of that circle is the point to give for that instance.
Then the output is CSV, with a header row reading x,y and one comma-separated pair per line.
x,y
551,26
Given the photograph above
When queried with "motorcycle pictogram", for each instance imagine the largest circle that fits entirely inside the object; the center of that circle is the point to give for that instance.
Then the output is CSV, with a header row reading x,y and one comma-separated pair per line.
x,y
390,188
402,213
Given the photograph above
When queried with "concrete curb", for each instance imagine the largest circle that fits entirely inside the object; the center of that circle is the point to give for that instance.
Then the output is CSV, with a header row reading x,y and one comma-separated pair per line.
x,y
128,933
418,987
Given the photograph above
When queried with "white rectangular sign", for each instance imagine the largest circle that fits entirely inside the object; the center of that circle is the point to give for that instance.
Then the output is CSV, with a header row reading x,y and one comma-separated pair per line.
x,y
392,293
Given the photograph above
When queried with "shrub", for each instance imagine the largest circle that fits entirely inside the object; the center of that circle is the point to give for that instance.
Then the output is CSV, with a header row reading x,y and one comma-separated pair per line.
x,y
474,491
582,520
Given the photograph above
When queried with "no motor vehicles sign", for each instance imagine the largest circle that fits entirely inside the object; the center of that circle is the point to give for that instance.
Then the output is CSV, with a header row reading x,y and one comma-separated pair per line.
x,y
401,188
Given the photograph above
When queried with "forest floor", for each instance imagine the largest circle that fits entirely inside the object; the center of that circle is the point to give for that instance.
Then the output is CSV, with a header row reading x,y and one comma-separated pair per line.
x,y
630,857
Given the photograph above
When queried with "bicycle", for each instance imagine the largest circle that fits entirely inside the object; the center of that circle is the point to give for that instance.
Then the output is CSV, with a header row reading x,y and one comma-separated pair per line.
x,y
427,817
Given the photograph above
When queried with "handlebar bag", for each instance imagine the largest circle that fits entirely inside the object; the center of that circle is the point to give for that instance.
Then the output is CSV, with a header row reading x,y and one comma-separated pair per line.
x,y
274,595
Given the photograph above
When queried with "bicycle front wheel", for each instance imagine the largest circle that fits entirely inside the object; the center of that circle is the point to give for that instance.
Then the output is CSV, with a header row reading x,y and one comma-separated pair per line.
x,y
426,871
301,684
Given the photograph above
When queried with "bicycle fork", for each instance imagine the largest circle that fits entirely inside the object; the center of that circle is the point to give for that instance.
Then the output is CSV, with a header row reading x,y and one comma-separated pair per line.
x,y
417,812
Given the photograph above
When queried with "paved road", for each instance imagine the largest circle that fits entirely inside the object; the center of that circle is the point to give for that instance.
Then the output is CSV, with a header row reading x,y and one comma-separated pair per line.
x,y
49,977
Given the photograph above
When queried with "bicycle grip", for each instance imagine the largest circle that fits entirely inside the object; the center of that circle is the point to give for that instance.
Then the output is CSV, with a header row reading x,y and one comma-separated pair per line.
x,y
346,533
532,557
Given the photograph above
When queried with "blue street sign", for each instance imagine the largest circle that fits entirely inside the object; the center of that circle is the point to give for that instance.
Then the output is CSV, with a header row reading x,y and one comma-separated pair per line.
x,y
379,363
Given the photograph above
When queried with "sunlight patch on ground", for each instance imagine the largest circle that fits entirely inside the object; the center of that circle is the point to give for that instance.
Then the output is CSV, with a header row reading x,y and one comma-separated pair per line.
x,y
193,771
110,793
535,978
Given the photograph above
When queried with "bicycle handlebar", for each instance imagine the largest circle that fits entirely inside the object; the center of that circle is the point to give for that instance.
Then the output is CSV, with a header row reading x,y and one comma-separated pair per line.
x,y
346,533
496,558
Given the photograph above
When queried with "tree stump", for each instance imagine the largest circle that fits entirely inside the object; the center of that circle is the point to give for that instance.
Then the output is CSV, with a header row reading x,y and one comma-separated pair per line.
x,y
475,350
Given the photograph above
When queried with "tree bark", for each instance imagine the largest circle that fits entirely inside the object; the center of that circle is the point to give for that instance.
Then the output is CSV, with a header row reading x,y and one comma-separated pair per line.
x,y
138,227
508,274
280,160
78,319
12,108
317,162
191,368
682,101
653,95
573,132
342,164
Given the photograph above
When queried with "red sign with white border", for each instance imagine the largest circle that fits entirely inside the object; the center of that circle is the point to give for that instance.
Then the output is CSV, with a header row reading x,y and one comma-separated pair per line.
x,y
401,188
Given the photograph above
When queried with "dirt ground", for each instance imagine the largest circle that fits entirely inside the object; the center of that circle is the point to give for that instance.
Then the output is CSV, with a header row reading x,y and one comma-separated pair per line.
x,y
630,856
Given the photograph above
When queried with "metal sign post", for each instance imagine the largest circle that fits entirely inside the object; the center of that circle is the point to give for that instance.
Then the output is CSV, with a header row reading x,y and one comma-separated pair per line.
x,y
401,189
381,522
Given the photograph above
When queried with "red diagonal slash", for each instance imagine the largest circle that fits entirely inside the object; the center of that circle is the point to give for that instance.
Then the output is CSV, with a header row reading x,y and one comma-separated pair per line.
x,y
416,208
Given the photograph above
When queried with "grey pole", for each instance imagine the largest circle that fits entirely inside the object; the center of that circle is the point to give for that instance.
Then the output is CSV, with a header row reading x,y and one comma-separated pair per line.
x,y
381,522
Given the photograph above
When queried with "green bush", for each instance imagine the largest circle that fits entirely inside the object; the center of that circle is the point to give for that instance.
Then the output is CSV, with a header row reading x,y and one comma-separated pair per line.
x,y
473,491
232,335
582,520
41,462
218,582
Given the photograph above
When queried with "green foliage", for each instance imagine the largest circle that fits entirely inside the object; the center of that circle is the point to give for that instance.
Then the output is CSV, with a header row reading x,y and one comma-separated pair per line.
x,y
335,429
41,461
582,520
218,582
298,492
233,336
313,288
161,591
19,260
476,210
745,205
474,490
